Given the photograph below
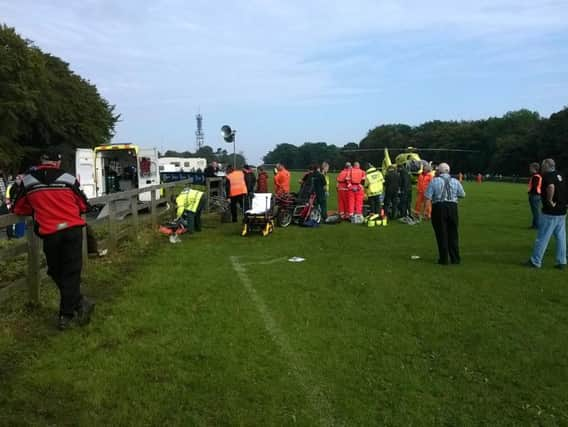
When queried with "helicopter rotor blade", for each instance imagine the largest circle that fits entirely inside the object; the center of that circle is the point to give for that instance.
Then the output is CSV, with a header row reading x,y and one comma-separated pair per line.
x,y
457,150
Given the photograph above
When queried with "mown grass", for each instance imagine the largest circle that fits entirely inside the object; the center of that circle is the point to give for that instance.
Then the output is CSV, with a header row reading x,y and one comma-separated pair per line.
x,y
383,340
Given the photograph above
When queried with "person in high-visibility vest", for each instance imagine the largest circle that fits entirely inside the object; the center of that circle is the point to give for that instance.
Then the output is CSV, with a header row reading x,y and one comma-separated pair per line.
x,y
421,208
356,193
535,192
236,188
374,187
281,180
190,203
343,184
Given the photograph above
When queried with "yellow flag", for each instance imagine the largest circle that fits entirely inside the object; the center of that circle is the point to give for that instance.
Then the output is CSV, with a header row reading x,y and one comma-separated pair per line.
x,y
386,161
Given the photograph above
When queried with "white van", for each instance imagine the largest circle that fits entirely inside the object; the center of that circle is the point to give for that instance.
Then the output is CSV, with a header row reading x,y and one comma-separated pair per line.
x,y
114,168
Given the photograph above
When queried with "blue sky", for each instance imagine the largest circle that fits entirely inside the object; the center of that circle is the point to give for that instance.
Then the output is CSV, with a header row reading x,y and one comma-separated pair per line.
x,y
295,71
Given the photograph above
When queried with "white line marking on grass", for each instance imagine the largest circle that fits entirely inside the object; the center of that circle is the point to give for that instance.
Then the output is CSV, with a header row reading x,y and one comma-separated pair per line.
x,y
315,396
270,261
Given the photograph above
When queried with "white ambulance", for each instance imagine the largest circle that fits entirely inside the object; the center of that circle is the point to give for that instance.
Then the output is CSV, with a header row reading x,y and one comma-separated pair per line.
x,y
114,168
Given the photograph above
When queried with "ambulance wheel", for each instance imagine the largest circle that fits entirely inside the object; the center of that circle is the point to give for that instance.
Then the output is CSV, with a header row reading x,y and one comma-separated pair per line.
x,y
284,219
245,230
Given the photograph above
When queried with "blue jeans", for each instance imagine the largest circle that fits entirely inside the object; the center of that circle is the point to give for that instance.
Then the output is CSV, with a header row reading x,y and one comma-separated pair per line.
x,y
549,225
534,202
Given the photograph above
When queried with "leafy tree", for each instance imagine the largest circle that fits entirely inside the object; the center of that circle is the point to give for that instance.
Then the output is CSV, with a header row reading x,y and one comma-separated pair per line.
x,y
44,104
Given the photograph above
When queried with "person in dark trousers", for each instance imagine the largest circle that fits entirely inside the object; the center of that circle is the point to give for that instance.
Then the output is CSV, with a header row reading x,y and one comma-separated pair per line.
x,y
553,218
236,188
55,201
392,187
535,191
190,203
405,197
250,181
314,182
444,192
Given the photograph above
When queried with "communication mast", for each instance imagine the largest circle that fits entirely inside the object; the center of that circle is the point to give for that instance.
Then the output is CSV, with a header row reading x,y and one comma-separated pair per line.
x,y
199,135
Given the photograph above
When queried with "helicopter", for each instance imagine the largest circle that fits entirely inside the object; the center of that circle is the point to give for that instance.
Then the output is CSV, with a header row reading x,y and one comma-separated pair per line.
x,y
409,158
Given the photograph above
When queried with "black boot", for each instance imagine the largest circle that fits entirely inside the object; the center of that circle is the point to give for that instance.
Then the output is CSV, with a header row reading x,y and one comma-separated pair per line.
x,y
84,311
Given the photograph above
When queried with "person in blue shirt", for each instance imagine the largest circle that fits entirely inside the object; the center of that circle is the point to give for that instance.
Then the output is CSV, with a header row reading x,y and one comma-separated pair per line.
x,y
444,192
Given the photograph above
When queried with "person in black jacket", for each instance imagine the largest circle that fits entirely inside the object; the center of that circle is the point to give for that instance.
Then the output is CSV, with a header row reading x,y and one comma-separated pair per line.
x,y
250,180
405,192
392,187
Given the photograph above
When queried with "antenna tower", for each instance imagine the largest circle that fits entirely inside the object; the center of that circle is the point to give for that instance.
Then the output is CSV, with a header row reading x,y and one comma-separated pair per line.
x,y
199,135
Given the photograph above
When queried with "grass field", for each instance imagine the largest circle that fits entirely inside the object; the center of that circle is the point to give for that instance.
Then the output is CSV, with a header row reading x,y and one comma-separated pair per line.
x,y
222,330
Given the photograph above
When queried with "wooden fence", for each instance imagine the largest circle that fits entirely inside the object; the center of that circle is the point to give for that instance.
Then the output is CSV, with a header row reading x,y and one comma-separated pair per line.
x,y
129,201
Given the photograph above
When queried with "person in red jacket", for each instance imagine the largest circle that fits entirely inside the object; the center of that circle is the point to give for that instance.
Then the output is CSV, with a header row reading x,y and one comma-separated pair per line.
x,y
423,209
343,184
262,181
55,201
356,193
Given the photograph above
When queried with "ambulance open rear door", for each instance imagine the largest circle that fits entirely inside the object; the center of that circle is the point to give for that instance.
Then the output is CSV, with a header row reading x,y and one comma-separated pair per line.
x,y
148,172
85,171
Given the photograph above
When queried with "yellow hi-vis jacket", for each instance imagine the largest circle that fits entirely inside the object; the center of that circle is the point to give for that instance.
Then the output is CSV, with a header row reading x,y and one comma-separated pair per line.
x,y
188,200
374,182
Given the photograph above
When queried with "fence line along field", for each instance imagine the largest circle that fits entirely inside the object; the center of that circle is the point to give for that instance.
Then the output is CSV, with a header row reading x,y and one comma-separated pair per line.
x,y
223,330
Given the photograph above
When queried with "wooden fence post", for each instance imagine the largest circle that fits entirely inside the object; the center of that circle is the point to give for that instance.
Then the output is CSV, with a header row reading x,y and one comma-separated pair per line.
x,y
208,185
112,225
134,213
85,248
153,209
34,258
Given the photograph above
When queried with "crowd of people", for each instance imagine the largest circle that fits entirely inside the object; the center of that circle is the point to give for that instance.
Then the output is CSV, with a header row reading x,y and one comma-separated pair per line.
x,y
47,186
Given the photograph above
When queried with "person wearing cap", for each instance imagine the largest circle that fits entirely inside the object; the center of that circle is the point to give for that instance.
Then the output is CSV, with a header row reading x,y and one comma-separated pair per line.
x,y
54,199
444,192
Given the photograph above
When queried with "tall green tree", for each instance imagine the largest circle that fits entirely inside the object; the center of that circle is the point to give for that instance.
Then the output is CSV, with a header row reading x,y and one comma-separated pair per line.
x,y
43,103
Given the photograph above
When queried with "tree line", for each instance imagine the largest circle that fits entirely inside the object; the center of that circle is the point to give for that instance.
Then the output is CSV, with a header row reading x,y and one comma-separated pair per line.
x,y
497,145
43,104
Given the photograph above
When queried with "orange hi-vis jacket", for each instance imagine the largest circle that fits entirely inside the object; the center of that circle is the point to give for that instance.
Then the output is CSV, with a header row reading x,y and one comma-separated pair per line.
x,y
535,184
282,182
423,182
342,179
237,184
357,176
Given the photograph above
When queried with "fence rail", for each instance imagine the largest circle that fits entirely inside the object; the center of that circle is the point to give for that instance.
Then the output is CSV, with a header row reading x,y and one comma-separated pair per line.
x,y
33,249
